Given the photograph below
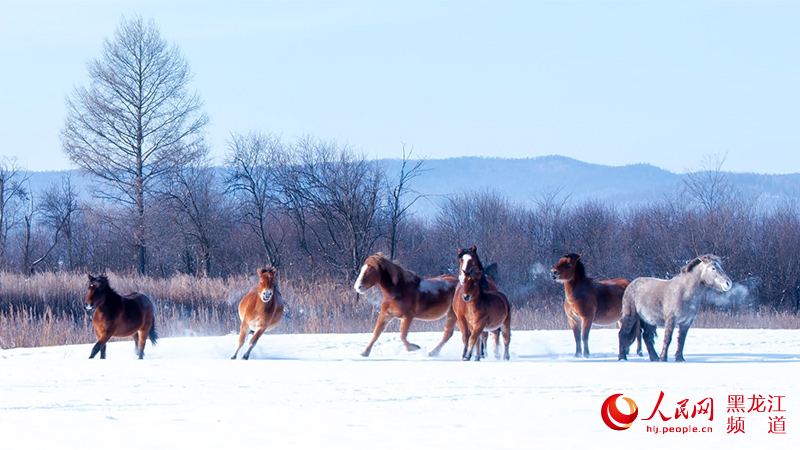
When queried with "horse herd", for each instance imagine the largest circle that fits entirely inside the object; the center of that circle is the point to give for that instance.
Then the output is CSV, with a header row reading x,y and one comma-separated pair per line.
x,y
471,300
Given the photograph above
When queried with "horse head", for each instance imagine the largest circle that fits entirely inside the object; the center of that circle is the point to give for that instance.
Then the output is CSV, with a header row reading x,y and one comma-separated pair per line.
x,y
471,287
266,283
711,273
98,287
469,263
568,268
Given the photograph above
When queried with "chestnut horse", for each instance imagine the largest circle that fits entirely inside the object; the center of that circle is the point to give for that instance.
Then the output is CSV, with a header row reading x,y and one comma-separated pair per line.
x,y
407,297
260,310
587,301
130,314
479,307
470,264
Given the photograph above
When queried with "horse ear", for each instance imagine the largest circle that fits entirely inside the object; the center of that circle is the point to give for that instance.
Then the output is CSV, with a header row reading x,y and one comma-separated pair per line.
x,y
91,278
261,271
474,249
694,263
460,252
273,271
579,255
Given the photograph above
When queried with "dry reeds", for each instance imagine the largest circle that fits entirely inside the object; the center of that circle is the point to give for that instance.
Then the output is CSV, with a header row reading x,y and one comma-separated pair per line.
x,y
47,308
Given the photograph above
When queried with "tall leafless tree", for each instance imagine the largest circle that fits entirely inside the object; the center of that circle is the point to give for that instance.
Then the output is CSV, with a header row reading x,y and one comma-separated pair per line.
x,y
13,195
136,122
402,197
255,162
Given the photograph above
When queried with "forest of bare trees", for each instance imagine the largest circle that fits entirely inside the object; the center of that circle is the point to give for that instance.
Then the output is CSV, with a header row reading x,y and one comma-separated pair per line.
x,y
316,208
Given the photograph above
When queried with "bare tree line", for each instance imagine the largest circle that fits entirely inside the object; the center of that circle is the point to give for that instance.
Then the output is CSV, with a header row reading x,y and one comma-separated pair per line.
x,y
317,208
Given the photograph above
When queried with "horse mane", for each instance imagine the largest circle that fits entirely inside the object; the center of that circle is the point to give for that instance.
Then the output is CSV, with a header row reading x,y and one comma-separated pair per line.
x,y
396,272
580,269
708,257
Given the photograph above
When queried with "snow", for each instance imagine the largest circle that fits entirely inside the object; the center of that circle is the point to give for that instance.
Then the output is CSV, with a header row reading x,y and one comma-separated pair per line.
x,y
315,391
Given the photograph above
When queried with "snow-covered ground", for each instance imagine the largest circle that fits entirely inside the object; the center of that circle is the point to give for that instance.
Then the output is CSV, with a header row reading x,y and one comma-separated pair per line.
x,y
316,392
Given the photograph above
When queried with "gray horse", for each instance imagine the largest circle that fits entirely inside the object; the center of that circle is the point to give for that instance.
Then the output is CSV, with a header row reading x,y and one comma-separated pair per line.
x,y
667,303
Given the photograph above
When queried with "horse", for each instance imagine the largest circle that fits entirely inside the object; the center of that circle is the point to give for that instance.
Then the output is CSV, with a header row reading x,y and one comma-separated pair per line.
x,y
130,314
587,301
479,307
470,264
260,310
653,302
406,296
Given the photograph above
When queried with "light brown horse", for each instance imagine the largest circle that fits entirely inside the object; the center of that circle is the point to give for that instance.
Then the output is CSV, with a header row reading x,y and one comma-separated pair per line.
x,y
407,297
587,301
482,310
130,314
260,310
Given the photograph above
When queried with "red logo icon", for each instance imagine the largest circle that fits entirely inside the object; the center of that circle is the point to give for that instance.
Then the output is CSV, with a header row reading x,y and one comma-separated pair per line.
x,y
616,419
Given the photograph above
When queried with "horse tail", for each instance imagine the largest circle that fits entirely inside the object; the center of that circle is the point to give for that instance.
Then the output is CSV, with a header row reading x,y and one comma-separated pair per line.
x,y
153,335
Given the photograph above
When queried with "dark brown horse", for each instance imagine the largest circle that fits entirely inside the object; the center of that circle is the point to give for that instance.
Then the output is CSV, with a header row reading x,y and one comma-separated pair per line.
x,y
407,297
260,310
479,307
587,301
130,314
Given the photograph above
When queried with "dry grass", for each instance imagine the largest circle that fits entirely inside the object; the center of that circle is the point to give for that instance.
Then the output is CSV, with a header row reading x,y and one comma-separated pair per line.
x,y
47,309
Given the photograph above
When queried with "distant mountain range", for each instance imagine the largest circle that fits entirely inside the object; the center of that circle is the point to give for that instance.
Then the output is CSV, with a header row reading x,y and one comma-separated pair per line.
x,y
523,180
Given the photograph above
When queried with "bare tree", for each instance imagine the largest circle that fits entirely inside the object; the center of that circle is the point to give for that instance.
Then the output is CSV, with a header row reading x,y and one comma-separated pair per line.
x,y
255,162
399,203
334,196
136,122
12,199
197,200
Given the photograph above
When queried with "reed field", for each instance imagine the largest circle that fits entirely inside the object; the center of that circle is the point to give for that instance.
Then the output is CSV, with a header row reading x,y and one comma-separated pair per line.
x,y
47,308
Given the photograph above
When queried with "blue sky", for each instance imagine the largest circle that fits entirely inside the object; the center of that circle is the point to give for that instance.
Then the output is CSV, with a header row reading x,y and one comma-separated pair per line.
x,y
665,83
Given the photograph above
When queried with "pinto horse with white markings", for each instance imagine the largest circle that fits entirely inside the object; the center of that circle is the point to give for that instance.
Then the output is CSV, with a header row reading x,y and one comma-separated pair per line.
x,y
260,310
407,296
479,308
130,314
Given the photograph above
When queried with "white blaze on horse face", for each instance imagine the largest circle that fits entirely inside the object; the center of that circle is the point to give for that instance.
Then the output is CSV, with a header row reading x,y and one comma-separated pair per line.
x,y
464,262
359,284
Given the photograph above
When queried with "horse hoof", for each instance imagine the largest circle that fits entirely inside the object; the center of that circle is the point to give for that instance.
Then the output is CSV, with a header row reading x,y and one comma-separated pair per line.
x,y
622,358
365,354
640,353
413,347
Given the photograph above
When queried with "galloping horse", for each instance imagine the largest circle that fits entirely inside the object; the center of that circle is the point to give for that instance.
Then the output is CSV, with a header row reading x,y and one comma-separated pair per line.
x,y
407,297
131,314
260,310
587,301
479,307
654,302
470,264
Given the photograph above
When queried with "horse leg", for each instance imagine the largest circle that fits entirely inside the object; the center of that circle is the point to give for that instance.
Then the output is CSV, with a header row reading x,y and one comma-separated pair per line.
x,y
474,340
140,344
669,325
405,324
626,329
483,343
649,335
576,331
449,327
587,325
100,346
506,328
383,320
242,337
682,330
465,335
253,341
496,334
